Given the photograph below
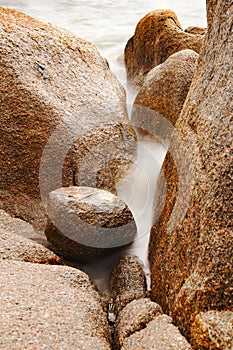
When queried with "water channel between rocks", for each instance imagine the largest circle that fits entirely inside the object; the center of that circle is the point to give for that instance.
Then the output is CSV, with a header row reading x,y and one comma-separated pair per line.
x,y
109,25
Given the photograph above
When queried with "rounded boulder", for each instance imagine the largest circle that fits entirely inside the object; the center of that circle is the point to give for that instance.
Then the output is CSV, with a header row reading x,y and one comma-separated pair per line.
x,y
157,36
86,222
164,91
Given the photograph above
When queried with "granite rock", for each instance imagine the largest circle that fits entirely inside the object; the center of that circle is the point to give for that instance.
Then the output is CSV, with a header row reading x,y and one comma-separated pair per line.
x,y
56,90
164,92
211,8
191,241
134,317
50,307
14,246
157,36
86,222
127,282
196,30
212,330
160,334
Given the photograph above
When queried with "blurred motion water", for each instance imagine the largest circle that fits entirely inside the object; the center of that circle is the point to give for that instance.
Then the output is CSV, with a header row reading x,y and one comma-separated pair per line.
x,y
109,24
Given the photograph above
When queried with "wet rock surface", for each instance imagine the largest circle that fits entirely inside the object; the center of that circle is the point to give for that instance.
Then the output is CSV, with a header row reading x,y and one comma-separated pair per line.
x,y
212,330
56,90
157,36
86,222
127,282
50,307
134,317
164,91
158,334
191,241
14,246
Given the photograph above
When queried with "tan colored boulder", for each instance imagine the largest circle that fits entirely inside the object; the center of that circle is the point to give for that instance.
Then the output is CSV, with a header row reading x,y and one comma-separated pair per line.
x,y
211,8
157,36
127,282
85,223
160,334
134,317
191,241
56,90
212,330
14,246
196,30
164,91
50,307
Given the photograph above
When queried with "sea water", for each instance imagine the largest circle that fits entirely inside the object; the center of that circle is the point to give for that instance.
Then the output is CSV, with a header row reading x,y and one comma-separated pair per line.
x,y
109,24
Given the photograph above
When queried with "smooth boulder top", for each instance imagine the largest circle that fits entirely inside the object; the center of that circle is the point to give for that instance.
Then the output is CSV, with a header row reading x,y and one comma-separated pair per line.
x,y
85,222
87,198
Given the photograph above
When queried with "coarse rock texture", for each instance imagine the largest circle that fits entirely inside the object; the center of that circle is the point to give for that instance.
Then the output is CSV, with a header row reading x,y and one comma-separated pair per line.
x,y
191,244
127,282
212,330
134,317
86,222
13,246
56,90
164,91
157,36
196,30
50,307
211,8
160,334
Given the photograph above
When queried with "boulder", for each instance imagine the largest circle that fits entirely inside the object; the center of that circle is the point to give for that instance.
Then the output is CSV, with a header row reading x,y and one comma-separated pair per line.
x,y
160,334
134,317
127,282
157,36
212,330
13,246
50,307
211,8
86,222
164,91
191,241
196,30
61,107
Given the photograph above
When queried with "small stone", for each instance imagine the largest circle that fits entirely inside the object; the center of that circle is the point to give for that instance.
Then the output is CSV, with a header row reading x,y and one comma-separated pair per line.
x,y
85,222
134,317
212,330
160,334
127,282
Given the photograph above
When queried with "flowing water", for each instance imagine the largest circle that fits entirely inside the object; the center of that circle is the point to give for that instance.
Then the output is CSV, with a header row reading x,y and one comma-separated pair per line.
x,y
109,24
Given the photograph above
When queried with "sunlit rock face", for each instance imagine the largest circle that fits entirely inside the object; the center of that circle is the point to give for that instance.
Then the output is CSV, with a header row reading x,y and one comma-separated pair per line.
x,y
63,115
157,36
191,241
